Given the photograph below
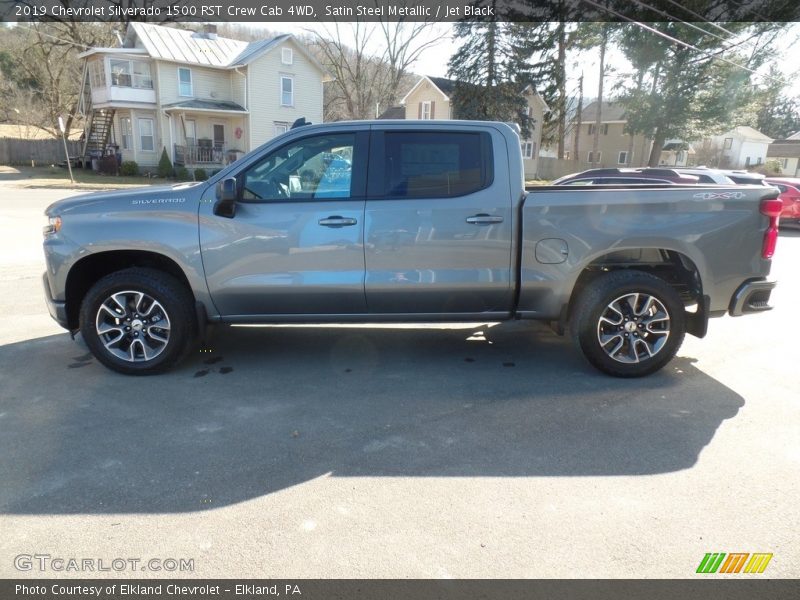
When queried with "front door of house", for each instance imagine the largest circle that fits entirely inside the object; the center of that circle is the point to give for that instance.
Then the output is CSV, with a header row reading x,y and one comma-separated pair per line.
x,y
219,136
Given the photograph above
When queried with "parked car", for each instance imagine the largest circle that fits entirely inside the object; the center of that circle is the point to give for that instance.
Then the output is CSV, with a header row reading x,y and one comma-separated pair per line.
x,y
745,177
602,180
670,175
790,197
706,175
436,226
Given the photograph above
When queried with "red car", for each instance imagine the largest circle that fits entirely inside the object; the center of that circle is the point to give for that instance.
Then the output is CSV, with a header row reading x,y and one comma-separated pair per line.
x,y
790,196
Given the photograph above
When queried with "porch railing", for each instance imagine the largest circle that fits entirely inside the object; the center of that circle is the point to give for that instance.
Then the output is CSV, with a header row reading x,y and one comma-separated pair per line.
x,y
199,154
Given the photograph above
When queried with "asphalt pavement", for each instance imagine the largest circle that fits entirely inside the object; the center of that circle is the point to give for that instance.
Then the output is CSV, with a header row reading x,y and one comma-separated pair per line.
x,y
476,450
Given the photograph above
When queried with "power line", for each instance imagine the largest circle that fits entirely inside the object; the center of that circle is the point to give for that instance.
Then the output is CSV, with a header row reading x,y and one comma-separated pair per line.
x,y
679,42
673,18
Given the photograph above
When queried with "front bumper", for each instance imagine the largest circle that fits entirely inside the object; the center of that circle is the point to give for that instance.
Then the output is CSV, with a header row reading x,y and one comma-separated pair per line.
x,y
752,297
57,310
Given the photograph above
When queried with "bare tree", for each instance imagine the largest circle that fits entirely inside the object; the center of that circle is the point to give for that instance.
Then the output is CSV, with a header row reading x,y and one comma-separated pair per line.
x,y
369,63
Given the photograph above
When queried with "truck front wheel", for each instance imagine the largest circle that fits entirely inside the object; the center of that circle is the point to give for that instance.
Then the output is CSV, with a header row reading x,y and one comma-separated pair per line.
x,y
628,323
138,321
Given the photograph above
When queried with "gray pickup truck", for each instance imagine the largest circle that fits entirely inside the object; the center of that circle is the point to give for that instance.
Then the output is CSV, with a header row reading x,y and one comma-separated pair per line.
x,y
405,221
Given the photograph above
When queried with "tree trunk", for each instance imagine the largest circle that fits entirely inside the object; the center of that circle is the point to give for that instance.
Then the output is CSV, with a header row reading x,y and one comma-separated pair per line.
x,y
658,144
578,121
562,87
599,119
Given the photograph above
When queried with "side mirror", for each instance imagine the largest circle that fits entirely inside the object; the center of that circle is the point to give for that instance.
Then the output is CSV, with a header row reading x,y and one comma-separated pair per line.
x,y
225,206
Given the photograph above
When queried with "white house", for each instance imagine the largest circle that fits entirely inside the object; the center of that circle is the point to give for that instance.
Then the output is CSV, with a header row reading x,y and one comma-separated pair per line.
x,y
742,147
202,97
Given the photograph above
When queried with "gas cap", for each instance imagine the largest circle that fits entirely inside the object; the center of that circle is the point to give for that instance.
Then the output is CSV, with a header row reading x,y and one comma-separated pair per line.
x,y
552,251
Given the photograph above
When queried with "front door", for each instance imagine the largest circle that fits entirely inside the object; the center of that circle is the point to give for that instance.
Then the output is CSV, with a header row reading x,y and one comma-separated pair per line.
x,y
295,245
438,226
219,136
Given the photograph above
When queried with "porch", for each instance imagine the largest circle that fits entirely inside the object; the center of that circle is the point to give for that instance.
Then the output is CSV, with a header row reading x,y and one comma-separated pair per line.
x,y
206,134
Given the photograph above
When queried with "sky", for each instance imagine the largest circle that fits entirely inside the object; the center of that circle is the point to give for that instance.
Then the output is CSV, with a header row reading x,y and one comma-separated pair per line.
x,y
433,61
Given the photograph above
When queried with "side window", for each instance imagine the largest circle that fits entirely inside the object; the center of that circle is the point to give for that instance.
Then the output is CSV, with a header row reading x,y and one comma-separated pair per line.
x,y
436,164
311,168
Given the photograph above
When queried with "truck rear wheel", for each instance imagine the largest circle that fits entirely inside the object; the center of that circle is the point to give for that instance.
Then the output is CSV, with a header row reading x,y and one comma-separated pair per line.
x,y
138,321
628,323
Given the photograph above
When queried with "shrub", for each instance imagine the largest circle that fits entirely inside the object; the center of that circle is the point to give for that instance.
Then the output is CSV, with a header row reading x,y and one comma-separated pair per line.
x,y
182,174
129,168
165,165
200,174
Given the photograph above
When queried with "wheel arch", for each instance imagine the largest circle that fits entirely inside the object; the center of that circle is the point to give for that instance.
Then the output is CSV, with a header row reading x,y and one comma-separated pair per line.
x,y
90,269
675,267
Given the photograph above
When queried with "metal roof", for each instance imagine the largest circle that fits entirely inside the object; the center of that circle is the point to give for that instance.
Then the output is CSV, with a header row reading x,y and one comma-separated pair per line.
x,y
180,45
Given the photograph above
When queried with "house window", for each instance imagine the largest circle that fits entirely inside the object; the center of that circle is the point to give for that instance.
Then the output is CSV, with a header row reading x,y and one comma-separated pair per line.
x,y
130,73
566,154
590,157
97,74
281,128
604,126
784,162
622,159
184,82
121,73
287,56
287,91
728,143
146,135
527,150
758,160
141,75
591,128
747,162
426,111
127,133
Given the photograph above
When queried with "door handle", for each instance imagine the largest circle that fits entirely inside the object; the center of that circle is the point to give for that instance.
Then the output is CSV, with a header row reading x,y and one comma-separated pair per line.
x,y
337,221
484,219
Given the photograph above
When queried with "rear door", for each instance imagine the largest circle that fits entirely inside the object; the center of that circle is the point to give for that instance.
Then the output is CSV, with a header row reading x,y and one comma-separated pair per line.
x,y
296,243
438,223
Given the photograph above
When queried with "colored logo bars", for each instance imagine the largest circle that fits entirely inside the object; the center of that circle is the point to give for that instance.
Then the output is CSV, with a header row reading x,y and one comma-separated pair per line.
x,y
716,562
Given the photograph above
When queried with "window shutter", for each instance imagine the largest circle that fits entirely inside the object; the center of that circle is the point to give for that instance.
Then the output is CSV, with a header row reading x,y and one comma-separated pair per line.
x,y
419,112
433,107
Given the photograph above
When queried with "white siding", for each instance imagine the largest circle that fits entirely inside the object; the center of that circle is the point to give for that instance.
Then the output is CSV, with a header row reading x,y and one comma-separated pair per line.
x,y
238,87
264,80
207,84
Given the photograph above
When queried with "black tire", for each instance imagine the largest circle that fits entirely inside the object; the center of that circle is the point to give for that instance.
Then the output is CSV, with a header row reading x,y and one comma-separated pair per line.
x,y
173,308
645,348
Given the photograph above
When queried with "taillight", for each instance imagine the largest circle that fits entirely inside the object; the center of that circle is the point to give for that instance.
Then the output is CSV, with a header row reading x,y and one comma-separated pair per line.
x,y
772,209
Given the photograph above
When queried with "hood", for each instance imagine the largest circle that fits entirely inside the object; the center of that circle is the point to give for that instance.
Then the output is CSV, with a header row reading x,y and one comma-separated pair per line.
x,y
145,195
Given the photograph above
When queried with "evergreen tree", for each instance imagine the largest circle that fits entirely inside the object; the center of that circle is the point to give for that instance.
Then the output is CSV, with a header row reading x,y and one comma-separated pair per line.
x,y
488,88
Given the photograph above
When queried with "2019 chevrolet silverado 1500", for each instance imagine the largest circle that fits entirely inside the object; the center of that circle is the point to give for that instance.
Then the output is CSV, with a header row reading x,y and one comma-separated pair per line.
x,y
405,221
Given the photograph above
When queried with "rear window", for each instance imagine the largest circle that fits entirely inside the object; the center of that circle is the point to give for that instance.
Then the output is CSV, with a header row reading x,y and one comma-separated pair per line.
x,y
435,164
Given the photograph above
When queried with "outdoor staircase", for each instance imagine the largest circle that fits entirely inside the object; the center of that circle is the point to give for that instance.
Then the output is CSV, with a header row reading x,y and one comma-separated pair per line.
x,y
98,131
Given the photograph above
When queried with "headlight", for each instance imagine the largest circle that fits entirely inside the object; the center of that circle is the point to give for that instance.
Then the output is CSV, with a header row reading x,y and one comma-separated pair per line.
x,y
53,226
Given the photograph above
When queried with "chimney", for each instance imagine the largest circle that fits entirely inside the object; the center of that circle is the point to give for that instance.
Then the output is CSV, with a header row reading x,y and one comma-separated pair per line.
x,y
210,31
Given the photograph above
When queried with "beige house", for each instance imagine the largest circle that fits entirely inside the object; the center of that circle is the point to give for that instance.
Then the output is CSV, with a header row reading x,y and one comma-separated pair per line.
x,y
787,153
204,98
430,99
614,147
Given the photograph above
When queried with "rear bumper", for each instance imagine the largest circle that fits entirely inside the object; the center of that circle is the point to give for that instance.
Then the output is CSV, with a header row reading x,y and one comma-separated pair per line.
x,y
57,310
751,297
